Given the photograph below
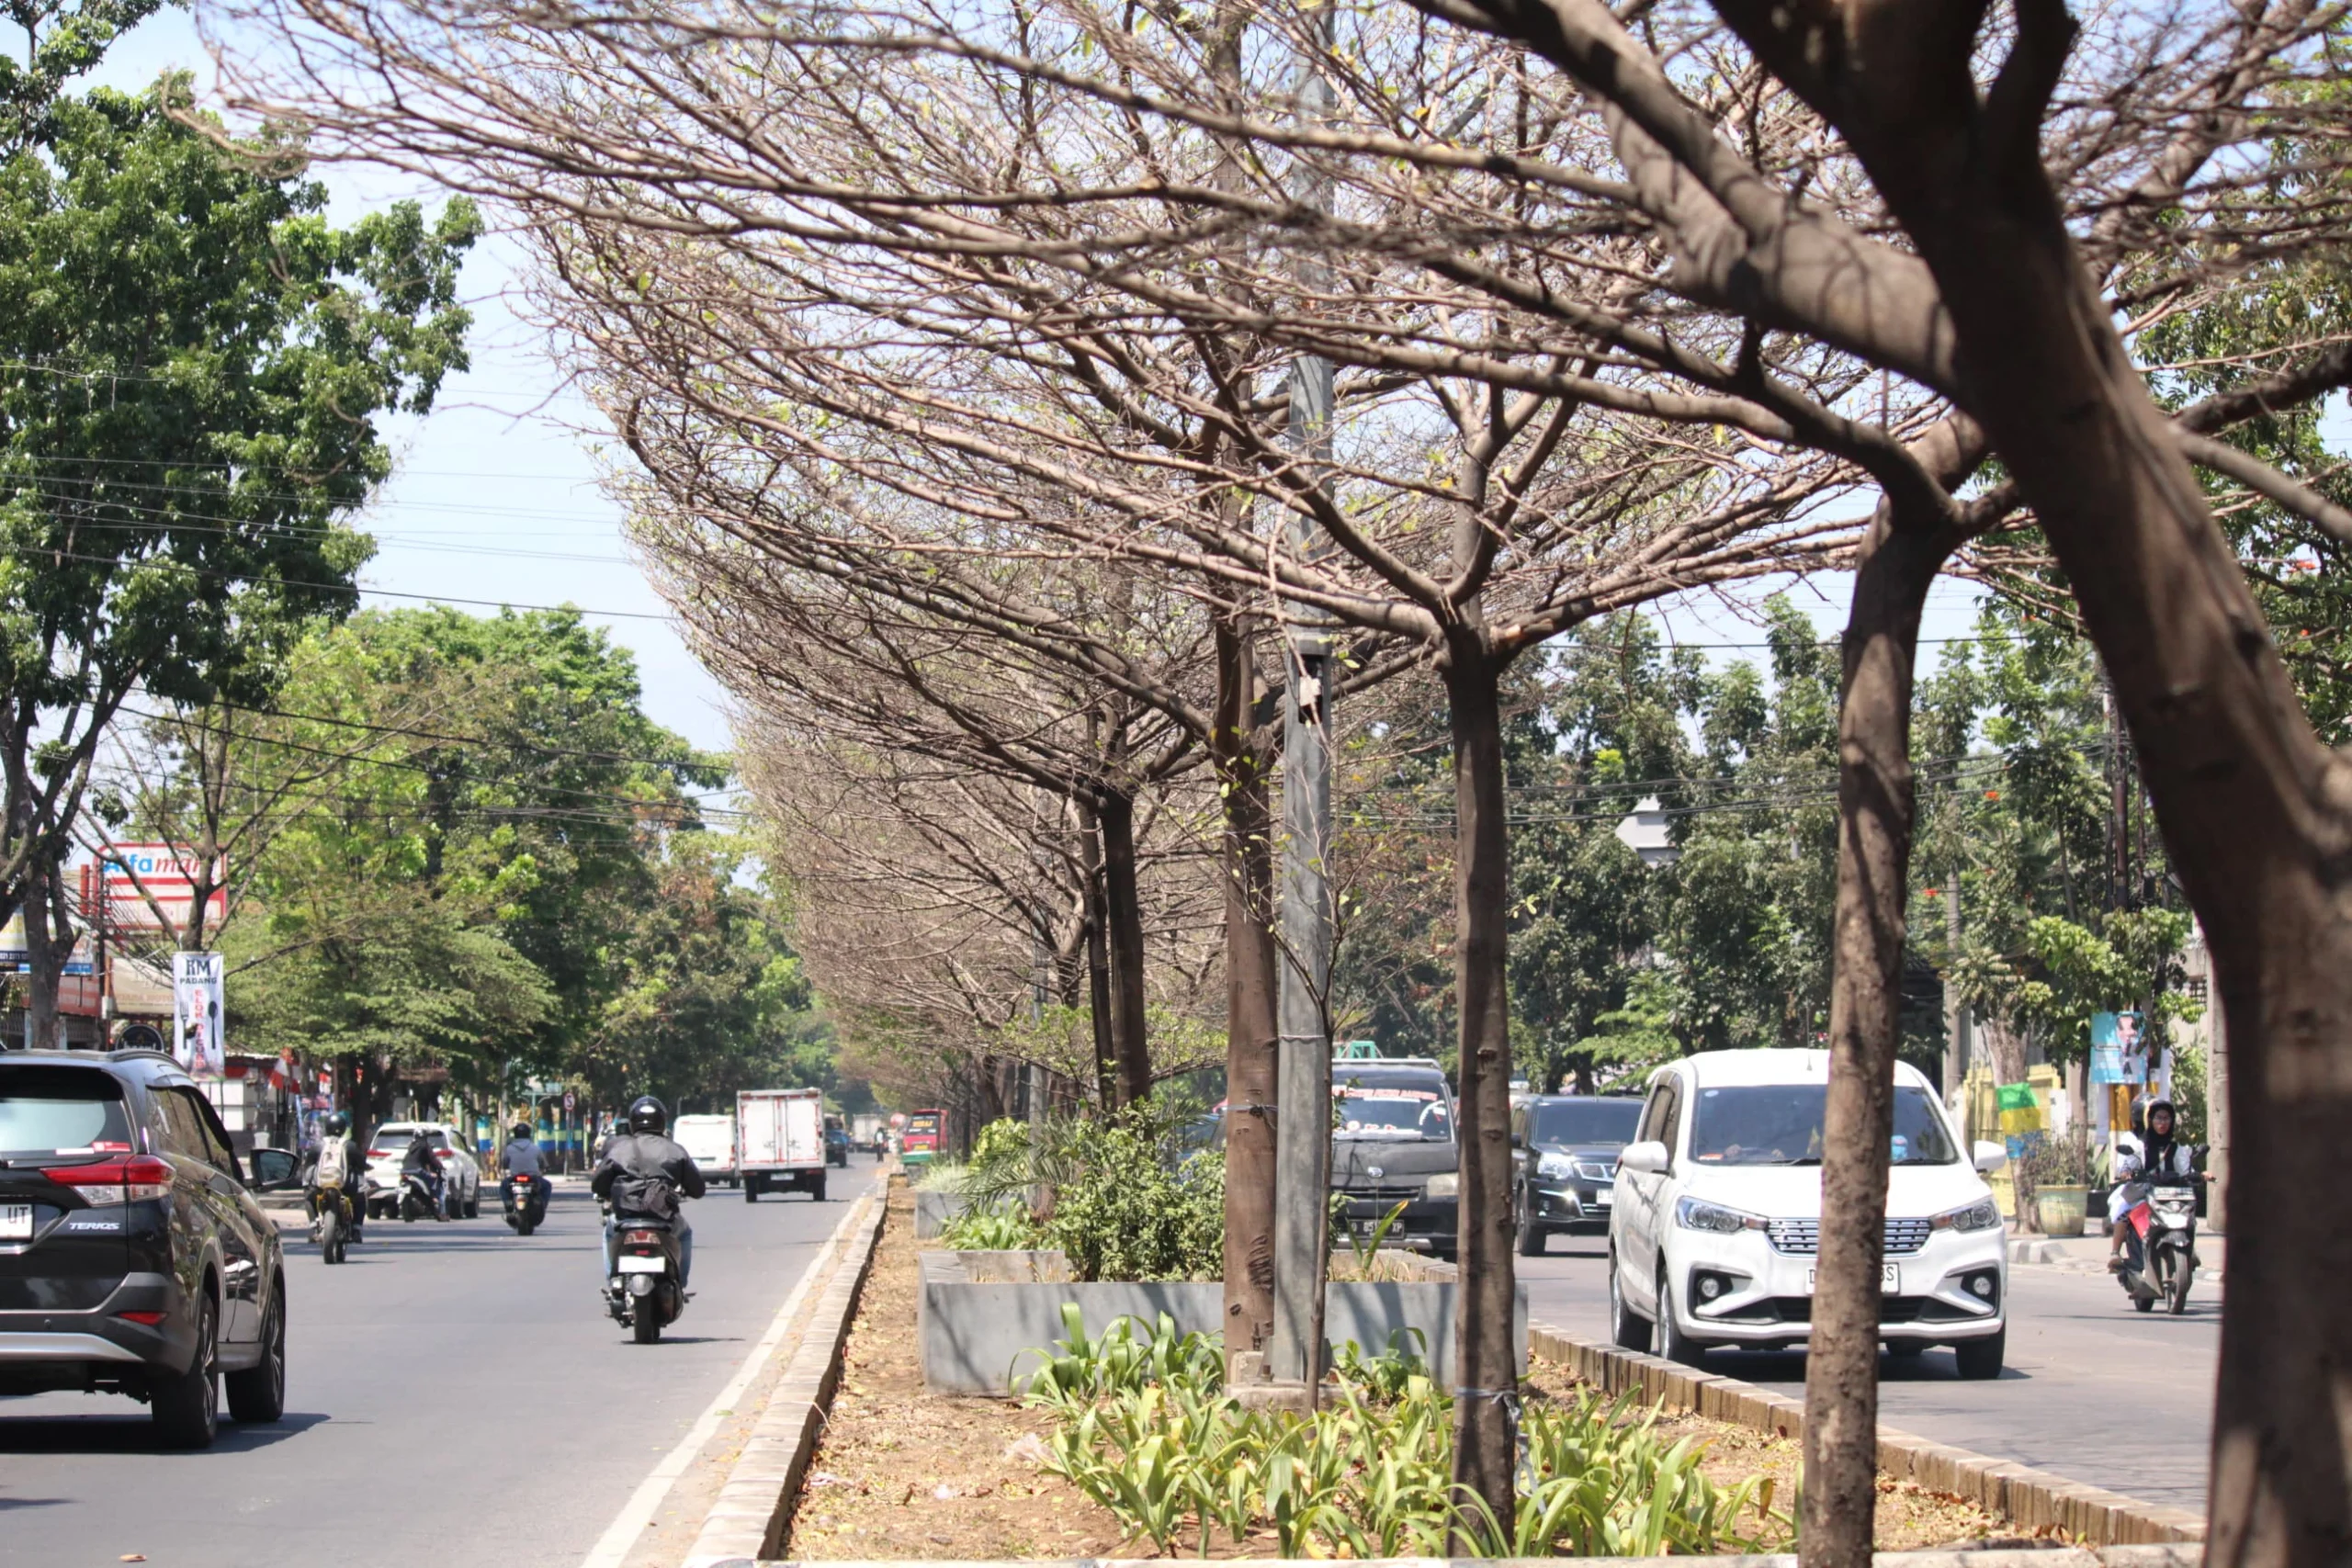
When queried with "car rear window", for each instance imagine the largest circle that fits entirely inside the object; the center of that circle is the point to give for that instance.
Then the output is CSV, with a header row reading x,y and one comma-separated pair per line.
x,y
50,1111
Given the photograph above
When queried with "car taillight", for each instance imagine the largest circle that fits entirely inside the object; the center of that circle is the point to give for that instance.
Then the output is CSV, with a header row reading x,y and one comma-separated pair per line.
x,y
377,1154
142,1177
145,1319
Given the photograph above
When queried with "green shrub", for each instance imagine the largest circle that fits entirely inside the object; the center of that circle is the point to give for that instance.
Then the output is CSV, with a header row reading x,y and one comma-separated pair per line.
x,y
1130,1215
991,1230
1118,1195
1144,1427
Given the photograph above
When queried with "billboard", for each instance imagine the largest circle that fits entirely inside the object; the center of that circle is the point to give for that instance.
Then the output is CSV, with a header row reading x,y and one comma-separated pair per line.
x,y
167,872
2117,1052
197,1042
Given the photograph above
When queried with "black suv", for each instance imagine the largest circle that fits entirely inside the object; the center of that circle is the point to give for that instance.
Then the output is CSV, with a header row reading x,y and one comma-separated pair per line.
x,y
1392,1142
1565,1147
132,1260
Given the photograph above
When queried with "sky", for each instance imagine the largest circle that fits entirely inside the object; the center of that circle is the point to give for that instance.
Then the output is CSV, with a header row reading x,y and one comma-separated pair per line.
x,y
495,499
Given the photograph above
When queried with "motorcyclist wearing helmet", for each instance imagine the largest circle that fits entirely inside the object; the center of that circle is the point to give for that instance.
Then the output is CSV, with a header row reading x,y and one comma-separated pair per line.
x,y
337,1163
420,1160
647,1152
2156,1157
521,1155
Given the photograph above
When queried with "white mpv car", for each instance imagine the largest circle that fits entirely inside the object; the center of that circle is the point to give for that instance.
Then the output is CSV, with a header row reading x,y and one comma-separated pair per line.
x,y
1718,1216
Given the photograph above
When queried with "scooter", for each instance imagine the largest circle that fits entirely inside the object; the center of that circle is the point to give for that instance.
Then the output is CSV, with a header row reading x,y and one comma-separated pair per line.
x,y
2160,1249
418,1201
525,1197
646,1291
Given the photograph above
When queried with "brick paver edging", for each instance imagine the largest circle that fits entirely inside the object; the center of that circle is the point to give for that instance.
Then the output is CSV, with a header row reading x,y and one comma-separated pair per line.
x,y
2032,1498
2171,1556
749,1518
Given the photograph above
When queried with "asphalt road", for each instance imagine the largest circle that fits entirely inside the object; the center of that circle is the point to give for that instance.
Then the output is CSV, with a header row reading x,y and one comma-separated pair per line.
x,y
2093,1391
455,1393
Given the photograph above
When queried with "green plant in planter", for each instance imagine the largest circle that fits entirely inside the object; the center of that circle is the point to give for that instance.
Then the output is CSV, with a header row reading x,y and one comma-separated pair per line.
x,y
996,1230
1144,1427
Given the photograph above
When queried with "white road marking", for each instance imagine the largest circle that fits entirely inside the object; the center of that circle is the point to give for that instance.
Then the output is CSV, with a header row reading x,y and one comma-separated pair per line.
x,y
613,1546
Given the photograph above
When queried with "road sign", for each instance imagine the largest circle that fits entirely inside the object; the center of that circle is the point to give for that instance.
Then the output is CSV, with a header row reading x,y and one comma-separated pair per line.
x,y
567,1102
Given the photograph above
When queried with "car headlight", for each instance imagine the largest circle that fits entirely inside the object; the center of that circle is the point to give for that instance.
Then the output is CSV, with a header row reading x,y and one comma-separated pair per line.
x,y
1444,1184
1982,1215
1693,1214
1555,1168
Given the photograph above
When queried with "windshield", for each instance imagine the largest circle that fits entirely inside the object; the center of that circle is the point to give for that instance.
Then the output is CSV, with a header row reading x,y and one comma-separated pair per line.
x,y
52,1110
1382,1111
1585,1122
923,1125
1781,1125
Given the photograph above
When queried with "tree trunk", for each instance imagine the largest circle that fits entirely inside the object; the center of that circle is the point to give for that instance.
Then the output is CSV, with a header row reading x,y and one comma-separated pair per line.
x,y
1876,819
1485,1359
1252,1028
1123,921
2255,812
1097,959
44,960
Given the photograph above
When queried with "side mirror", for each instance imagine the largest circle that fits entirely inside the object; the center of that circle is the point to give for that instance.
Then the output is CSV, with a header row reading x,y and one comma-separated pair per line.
x,y
1649,1156
1517,1142
1991,1157
272,1168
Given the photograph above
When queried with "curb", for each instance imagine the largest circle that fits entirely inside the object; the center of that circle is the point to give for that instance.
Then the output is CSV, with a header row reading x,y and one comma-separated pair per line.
x,y
2034,1499
748,1519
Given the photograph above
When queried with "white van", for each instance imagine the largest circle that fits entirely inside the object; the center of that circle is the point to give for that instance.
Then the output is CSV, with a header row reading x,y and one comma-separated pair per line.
x,y
711,1141
1718,1216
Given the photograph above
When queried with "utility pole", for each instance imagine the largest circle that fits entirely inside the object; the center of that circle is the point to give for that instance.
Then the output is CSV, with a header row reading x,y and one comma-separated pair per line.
x,y
1303,1130
1955,1009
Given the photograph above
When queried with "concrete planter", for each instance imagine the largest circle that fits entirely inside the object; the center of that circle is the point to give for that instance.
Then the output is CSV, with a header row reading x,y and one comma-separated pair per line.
x,y
2060,1209
975,1325
934,1210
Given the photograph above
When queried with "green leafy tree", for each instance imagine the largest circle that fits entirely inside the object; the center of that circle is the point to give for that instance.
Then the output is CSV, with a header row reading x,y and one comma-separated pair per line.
x,y
192,363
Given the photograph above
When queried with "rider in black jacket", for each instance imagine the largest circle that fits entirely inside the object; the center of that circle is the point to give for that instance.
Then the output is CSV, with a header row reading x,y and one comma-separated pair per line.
x,y
644,1154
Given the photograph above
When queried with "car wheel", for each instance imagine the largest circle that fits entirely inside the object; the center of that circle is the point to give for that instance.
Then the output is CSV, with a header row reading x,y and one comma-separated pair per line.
x,y
1981,1358
473,1206
1674,1344
818,1191
187,1408
258,1394
1532,1237
1626,1326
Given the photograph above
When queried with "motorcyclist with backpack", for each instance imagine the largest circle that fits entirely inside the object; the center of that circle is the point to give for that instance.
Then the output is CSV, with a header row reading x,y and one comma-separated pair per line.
x,y
336,1166
643,1174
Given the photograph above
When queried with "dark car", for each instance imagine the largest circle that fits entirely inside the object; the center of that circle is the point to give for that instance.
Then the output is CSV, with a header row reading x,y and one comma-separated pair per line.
x,y
1392,1142
1563,1151
836,1142
133,1258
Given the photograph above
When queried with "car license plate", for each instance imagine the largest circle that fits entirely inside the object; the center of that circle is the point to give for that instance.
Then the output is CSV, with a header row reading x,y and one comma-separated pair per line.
x,y
16,1222
1890,1280
1604,1197
644,1265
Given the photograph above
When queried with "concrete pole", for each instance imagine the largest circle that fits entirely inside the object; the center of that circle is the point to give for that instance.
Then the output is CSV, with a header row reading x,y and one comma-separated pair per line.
x,y
1303,1124
1955,1010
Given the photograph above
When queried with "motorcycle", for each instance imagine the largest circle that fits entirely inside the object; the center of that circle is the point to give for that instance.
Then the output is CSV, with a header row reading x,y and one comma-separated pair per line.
x,y
525,1197
418,1201
646,1292
2160,1248
335,1223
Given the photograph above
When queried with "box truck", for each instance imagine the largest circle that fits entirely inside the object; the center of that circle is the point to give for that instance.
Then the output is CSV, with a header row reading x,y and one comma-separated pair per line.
x,y
780,1141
